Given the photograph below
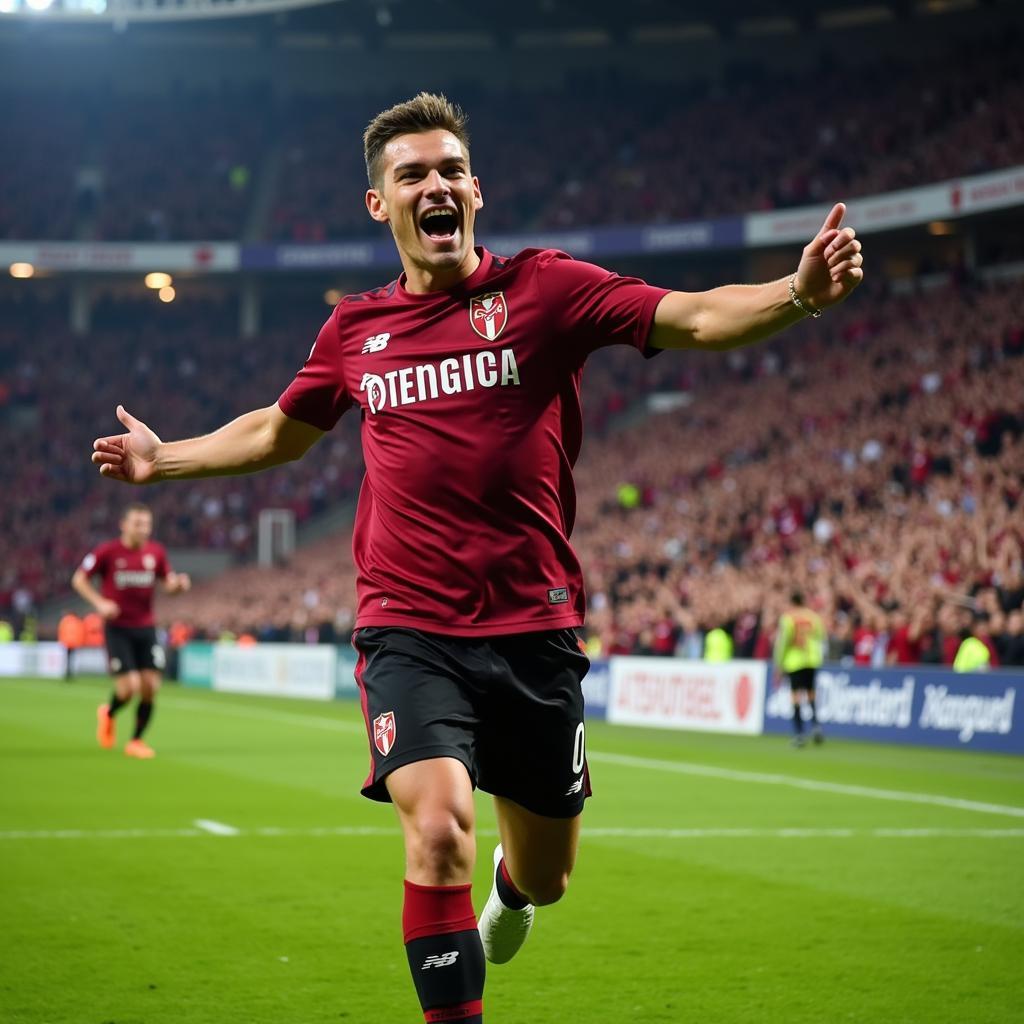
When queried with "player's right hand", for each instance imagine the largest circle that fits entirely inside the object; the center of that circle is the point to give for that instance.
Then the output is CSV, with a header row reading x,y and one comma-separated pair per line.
x,y
108,609
131,457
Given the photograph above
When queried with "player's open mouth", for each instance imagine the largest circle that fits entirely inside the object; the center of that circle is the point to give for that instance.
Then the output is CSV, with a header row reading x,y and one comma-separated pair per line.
x,y
440,224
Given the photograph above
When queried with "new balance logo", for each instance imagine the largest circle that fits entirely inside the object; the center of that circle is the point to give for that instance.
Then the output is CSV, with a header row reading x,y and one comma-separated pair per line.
x,y
444,960
575,787
377,343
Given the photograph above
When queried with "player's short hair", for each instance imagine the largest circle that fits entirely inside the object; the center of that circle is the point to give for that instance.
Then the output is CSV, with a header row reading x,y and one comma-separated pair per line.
x,y
797,597
425,112
135,506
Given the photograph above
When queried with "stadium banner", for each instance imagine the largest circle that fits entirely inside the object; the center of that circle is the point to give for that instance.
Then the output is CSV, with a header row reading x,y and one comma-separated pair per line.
x,y
926,707
276,670
694,236
955,198
319,256
596,684
89,661
673,693
345,681
141,257
43,660
994,191
195,664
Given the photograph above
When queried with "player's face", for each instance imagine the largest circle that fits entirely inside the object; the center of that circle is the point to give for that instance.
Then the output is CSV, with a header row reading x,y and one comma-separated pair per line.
x,y
136,528
429,199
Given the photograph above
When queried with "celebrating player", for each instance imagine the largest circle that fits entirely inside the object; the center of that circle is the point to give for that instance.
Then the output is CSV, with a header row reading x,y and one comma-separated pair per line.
x,y
128,569
466,371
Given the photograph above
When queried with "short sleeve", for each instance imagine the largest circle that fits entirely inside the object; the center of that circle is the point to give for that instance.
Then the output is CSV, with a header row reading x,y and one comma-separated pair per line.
x,y
94,562
594,307
318,395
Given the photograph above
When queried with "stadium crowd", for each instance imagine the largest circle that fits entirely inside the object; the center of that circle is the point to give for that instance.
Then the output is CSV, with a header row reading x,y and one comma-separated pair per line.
x,y
874,460
184,370
188,168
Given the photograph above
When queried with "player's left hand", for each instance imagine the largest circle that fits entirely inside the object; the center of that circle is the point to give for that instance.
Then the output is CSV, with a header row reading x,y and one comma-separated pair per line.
x,y
180,582
832,264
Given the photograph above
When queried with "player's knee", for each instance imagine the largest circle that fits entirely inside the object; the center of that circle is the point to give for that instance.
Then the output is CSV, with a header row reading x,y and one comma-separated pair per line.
x,y
442,842
548,889
128,684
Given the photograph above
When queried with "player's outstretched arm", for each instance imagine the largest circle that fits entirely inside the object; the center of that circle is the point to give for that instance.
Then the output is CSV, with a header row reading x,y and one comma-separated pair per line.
x,y
830,268
258,440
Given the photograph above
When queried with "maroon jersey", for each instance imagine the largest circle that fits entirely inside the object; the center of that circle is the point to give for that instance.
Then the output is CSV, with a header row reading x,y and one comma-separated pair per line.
x,y
471,424
128,576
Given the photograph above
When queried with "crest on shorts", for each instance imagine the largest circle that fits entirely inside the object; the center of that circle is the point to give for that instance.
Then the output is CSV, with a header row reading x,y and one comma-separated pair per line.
x,y
384,731
488,314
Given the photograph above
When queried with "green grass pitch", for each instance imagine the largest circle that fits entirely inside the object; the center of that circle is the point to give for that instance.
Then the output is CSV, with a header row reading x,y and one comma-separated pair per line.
x,y
710,888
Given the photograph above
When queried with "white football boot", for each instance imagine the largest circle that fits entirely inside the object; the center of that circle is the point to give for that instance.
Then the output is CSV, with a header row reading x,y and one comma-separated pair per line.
x,y
503,930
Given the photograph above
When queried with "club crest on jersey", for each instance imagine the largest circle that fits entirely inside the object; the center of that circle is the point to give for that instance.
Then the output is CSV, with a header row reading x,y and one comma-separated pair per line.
x,y
148,562
488,314
384,730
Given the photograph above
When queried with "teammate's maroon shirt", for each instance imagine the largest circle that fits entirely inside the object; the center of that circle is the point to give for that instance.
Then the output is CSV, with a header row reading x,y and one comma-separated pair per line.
x,y
128,576
470,400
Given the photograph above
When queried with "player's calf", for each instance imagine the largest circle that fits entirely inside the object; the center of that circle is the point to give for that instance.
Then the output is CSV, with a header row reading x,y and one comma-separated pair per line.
x,y
445,956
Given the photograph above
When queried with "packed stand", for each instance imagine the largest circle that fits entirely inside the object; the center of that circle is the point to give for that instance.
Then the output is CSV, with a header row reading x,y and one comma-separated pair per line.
x,y
177,170
44,144
189,168
874,460
659,154
184,371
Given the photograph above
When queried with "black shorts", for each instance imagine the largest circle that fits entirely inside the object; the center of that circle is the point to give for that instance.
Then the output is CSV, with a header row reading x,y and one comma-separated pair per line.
x,y
130,648
802,679
510,708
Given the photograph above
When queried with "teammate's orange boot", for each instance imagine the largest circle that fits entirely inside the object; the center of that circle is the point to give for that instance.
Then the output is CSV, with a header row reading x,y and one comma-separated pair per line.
x,y
104,727
137,748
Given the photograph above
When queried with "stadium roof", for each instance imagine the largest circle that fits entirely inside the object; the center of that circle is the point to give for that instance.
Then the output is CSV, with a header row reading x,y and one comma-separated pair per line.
x,y
526,22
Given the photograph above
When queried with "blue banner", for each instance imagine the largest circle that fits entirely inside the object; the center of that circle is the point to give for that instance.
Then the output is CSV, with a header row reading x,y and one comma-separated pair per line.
x,y
928,707
584,244
596,688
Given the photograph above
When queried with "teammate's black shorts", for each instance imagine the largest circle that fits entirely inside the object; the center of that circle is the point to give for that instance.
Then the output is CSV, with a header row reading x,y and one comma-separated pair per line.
x,y
130,648
510,708
802,679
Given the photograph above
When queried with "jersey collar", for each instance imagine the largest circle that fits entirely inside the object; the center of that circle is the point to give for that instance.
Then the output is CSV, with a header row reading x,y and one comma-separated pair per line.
x,y
465,286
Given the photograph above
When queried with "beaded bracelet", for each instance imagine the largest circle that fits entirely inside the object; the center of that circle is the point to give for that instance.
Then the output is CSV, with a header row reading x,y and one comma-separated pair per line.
x,y
798,302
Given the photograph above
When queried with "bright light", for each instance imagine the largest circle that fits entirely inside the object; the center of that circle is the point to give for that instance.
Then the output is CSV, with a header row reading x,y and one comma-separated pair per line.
x,y
941,227
7,6
39,5
167,293
22,270
157,280
332,296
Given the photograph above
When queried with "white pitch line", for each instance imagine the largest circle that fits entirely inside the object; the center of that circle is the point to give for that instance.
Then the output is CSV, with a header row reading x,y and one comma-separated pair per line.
x,y
815,785
358,831
216,828
103,833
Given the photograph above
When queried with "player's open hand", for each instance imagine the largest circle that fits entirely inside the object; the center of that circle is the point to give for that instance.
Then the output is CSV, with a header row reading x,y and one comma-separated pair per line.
x,y
832,264
131,457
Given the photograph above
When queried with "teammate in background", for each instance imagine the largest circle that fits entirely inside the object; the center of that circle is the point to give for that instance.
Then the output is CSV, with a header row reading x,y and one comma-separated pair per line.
x,y
466,373
799,652
128,569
